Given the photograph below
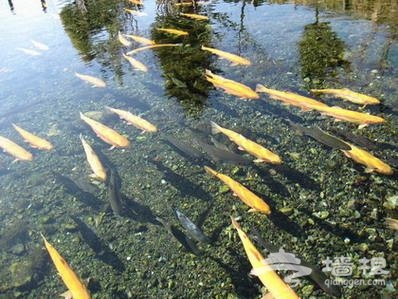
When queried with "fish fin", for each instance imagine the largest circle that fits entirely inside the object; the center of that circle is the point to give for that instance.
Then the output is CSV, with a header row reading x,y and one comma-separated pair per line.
x,y
112,147
241,148
259,270
305,109
268,296
16,160
336,120
252,210
362,126
67,295
234,194
234,64
31,145
369,170
210,171
258,160
260,88
94,176
215,129
142,132
346,153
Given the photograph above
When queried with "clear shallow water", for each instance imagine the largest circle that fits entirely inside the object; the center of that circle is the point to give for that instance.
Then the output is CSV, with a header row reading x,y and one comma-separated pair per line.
x,y
334,208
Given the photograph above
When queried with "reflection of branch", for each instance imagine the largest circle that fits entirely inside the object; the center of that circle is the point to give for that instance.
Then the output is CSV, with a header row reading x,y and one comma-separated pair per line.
x,y
242,27
11,5
81,6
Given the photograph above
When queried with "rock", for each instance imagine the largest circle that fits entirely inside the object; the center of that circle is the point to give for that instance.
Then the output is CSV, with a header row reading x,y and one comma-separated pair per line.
x,y
21,273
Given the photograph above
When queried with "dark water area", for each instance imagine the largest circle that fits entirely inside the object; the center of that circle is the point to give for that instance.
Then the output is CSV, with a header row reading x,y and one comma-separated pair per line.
x,y
123,239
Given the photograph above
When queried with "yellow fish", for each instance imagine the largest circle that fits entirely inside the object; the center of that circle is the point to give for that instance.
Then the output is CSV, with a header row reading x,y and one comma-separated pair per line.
x,y
15,150
184,4
136,13
261,153
75,286
392,223
107,134
40,45
29,51
33,140
276,286
339,113
194,16
135,63
291,98
252,200
349,95
123,40
98,169
137,2
231,87
235,59
140,39
134,120
151,47
173,31
90,79
372,163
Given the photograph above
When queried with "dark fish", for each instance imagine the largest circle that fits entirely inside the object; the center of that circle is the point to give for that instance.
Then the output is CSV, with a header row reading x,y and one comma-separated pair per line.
x,y
114,193
183,239
183,147
101,250
321,136
316,275
191,227
218,154
219,144
359,140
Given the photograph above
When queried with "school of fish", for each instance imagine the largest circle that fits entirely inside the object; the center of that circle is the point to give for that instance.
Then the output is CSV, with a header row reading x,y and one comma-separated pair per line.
x,y
270,279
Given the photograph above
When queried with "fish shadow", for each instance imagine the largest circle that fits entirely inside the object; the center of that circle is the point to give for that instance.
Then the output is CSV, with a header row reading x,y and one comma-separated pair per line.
x,y
275,186
184,186
336,230
297,177
275,109
73,189
243,284
101,250
281,220
188,244
137,212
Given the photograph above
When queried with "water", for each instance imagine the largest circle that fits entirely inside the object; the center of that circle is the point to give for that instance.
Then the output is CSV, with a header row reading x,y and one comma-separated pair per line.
x,y
324,206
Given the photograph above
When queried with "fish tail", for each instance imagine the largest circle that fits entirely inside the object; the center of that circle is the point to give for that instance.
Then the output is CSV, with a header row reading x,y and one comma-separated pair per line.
x,y
215,129
81,137
209,73
210,170
44,238
110,109
261,88
235,223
